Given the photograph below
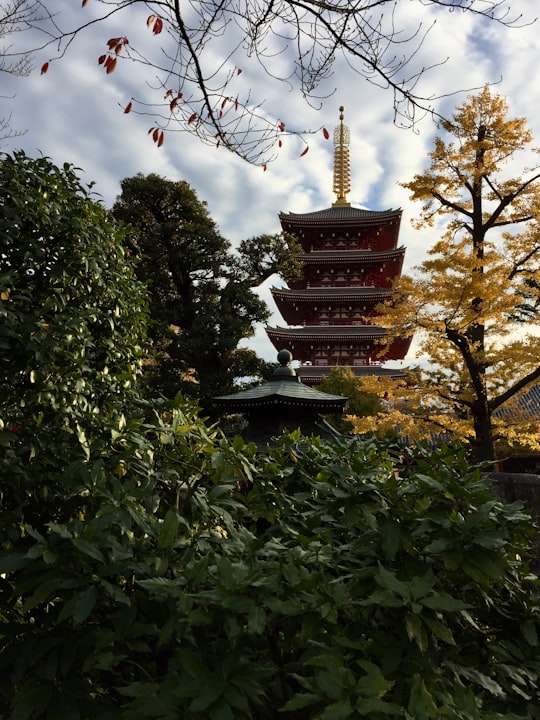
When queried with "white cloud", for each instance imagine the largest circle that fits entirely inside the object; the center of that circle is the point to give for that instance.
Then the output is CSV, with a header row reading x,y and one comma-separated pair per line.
x,y
74,114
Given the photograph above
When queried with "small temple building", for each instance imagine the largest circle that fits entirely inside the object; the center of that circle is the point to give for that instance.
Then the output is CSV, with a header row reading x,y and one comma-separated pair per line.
x,y
282,403
350,259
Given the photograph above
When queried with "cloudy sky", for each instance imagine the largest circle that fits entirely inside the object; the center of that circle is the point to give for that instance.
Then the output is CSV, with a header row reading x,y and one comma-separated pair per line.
x,y
74,113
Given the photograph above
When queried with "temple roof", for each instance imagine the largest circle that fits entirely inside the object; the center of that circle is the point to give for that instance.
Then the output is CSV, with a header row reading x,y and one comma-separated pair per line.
x,y
332,293
285,390
322,371
348,257
283,394
342,214
317,332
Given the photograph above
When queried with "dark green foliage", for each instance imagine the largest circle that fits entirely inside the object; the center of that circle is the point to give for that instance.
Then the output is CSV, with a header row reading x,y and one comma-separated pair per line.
x,y
343,381
202,301
332,588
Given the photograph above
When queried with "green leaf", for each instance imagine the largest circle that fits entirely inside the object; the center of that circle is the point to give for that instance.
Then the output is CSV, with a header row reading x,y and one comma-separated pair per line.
x,y
256,623
416,631
341,710
391,537
528,630
168,530
11,561
444,602
42,593
31,700
212,689
84,604
388,580
299,702
88,549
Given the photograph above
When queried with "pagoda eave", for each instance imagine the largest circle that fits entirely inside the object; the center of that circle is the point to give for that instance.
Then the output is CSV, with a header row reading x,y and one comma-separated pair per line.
x,y
359,294
350,257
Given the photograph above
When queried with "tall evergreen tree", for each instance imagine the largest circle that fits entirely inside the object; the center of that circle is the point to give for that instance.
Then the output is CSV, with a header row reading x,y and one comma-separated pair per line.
x,y
201,291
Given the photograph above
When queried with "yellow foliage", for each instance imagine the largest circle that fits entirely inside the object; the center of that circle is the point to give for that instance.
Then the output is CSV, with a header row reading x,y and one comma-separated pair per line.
x,y
462,302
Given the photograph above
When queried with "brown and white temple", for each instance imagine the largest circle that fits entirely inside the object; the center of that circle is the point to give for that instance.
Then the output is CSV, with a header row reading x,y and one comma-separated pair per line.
x,y
350,259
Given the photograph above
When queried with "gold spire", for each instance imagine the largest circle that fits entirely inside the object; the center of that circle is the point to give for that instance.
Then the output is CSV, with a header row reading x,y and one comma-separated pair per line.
x,y
342,170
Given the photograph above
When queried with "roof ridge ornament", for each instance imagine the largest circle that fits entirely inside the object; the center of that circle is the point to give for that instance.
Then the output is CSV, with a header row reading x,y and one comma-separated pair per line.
x,y
342,169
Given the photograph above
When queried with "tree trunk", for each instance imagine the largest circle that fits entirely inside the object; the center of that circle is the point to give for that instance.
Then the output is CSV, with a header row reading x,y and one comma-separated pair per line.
x,y
483,443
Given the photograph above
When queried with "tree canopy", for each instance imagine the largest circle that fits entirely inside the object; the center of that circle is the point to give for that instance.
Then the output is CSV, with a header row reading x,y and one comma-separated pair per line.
x,y
201,297
466,299
200,54
343,381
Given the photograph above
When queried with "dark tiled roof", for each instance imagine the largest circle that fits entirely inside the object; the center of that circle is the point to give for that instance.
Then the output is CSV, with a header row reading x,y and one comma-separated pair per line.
x,y
316,371
341,213
526,405
309,294
283,393
348,257
330,331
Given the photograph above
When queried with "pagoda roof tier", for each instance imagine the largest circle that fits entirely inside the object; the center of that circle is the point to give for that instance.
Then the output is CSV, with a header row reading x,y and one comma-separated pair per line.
x,y
284,394
342,215
327,332
316,373
323,294
349,257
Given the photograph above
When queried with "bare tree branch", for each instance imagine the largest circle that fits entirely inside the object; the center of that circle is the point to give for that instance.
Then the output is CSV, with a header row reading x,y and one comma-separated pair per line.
x,y
204,45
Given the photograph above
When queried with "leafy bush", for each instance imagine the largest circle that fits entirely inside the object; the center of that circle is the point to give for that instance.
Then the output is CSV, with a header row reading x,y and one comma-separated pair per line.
x,y
332,588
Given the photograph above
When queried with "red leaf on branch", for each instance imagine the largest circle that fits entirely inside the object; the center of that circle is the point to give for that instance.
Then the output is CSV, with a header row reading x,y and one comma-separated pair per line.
x,y
168,94
128,107
279,143
155,135
238,71
264,167
173,104
304,151
281,126
118,48
44,68
151,130
192,118
102,59
113,42
84,3
158,26
325,133
161,139
110,64
224,103
150,19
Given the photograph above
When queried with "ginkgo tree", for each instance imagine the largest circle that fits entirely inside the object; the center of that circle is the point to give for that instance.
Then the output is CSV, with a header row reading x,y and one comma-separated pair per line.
x,y
203,55
464,300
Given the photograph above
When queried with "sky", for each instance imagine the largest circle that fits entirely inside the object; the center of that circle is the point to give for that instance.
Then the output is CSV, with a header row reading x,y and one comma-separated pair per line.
x,y
74,113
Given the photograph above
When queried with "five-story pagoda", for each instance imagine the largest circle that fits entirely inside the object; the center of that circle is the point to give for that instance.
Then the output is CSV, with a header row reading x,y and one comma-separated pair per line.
x,y
350,259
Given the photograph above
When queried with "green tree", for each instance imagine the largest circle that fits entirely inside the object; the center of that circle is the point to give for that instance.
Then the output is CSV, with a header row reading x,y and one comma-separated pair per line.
x,y
361,403
202,301
73,313
202,55
466,300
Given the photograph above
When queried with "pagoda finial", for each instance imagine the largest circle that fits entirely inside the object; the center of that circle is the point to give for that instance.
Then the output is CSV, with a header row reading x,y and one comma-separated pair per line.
x,y
342,170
